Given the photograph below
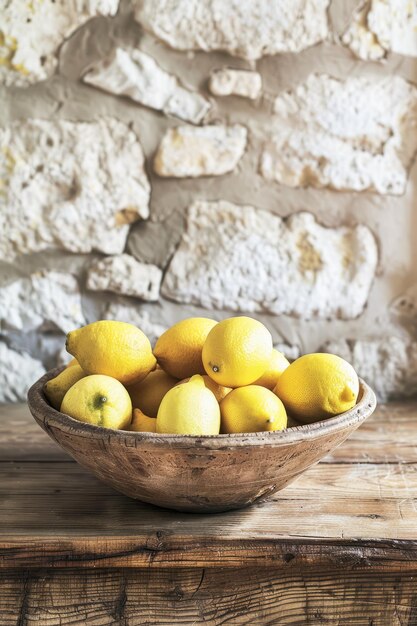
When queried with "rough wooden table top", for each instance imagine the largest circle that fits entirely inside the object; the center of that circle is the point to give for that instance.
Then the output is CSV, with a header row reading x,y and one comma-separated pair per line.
x,y
357,508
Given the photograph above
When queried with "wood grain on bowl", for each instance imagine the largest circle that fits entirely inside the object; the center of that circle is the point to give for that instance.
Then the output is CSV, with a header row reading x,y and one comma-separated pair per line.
x,y
197,474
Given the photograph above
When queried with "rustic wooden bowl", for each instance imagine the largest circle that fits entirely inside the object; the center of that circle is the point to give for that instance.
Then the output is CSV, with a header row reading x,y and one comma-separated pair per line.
x,y
198,474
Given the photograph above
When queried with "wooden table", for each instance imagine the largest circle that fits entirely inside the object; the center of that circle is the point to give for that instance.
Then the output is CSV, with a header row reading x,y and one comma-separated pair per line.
x,y
337,547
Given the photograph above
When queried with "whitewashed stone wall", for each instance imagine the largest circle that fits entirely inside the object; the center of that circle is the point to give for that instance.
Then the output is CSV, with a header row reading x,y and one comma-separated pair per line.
x,y
31,33
245,259
167,158
381,26
357,134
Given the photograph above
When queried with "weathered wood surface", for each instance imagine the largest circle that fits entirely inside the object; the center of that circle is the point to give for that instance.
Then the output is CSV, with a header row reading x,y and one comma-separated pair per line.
x,y
339,546
53,513
341,501
21,439
389,436
211,597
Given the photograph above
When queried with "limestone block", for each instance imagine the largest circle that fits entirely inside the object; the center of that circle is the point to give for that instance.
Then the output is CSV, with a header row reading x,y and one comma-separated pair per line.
x,y
31,33
243,259
404,309
228,82
382,26
186,151
360,38
249,29
133,315
360,134
135,74
18,372
69,185
387,364
46,300
124,275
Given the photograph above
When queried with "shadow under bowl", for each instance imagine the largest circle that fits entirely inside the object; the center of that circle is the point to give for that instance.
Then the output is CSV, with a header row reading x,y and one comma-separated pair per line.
x,y
197,474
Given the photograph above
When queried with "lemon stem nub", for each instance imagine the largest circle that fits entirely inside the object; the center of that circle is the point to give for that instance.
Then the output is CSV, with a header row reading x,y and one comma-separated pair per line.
x,y
99,401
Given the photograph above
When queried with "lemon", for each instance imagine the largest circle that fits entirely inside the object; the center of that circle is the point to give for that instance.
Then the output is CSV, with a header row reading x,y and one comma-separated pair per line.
x,y
237,351
142,423
56,388
72,362
189,409
99,400
277,365
252,409
147,394
317,386
178,349
115,349
219,391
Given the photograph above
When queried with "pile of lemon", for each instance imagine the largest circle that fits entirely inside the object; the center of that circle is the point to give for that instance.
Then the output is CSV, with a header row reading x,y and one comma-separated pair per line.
x,y
202,378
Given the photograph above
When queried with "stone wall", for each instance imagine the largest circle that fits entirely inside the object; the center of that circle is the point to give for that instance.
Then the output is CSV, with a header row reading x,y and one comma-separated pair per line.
x,y
167,158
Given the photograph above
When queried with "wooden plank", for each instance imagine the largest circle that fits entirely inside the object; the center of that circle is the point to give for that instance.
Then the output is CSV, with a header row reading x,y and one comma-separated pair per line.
x,y
389,436
328,501
199,596
68,489
57,512
162,551
21,439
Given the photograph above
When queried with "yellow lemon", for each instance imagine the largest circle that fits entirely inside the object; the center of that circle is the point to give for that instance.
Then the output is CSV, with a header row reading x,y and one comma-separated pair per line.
x,y
99,400
317,386
277,365
72,362
147,394
142,423
56,388
219,391
189,409
252,409
237,351
178,349
115,349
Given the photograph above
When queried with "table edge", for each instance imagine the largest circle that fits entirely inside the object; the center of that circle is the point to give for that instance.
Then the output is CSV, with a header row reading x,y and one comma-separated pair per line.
x,y
162,550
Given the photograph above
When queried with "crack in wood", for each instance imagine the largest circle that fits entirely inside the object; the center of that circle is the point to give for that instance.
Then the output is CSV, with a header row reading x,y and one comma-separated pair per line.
x,y
22,617
120,603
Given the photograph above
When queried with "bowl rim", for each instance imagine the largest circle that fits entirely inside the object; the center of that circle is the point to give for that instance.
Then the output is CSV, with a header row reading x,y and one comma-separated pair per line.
x,y
47,416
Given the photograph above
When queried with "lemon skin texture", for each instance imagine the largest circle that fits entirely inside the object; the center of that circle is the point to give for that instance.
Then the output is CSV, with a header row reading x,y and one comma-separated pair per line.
x,y
178,350
56,388
99,400
237,351
219,391
142,423
115,349
317,386
252,409
276,366
147,394
189,409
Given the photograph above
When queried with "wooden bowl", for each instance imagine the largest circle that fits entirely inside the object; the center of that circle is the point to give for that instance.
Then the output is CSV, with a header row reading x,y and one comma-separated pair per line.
x,y
198,474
